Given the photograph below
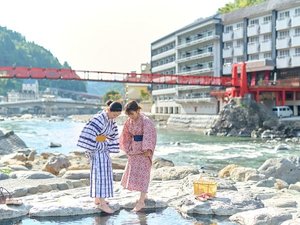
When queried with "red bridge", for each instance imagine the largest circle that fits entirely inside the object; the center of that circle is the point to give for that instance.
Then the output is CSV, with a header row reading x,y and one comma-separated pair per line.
x,y
237,85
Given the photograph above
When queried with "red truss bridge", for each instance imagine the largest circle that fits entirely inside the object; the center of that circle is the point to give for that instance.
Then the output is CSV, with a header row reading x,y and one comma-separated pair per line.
x,y
237,85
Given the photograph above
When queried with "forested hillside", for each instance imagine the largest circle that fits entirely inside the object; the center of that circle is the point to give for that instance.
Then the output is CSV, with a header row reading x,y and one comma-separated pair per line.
x,y
16,51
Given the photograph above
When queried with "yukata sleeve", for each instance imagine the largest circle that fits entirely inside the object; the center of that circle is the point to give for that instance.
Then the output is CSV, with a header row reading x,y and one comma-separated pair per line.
x,y
149,137
87,138
113,141
125,138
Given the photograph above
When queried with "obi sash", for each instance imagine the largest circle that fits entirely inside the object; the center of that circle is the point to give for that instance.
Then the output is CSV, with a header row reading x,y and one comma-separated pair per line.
x,y
138,137
100,138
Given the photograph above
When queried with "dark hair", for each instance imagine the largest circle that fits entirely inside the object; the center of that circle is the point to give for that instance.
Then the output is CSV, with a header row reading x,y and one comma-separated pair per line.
x,y
131,106
108,102
115,107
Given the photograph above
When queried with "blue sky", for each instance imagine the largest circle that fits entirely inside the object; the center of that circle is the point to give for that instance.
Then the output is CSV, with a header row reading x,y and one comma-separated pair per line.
x,y
112,35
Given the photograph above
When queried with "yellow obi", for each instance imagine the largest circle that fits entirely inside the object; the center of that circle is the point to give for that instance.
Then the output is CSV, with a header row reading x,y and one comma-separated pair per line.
x,y
100,138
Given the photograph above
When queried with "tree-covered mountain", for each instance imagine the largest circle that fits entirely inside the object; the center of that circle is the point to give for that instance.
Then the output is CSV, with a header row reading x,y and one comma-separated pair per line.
x,y
237,4
16,51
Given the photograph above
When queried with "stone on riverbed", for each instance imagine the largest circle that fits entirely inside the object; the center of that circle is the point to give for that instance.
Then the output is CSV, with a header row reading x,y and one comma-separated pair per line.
x,y
264,216
224,204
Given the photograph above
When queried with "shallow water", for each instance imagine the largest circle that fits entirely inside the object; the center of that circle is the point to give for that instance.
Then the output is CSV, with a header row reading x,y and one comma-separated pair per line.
x,y
167,216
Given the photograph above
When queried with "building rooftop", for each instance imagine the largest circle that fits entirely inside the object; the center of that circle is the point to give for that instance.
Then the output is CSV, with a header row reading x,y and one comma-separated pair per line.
x,y
258,10
197,22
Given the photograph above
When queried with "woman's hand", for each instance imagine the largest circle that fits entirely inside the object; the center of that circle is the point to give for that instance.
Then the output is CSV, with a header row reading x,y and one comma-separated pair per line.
x,y
147,153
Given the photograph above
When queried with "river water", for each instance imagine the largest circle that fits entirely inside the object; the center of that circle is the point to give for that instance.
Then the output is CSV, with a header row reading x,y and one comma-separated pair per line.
x,y
183,147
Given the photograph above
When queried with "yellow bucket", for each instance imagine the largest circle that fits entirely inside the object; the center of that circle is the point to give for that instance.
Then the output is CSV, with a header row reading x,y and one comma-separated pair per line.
x,y
205,186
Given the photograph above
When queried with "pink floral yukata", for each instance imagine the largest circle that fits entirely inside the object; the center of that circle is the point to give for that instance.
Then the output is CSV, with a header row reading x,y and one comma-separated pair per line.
x,y
137,172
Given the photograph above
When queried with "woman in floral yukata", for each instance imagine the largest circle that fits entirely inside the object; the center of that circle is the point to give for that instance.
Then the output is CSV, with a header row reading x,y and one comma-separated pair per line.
x,y
99,137
138,140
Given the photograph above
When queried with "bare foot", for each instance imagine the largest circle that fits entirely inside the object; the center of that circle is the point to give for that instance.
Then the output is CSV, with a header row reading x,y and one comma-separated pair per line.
x,y
98,202
139,205
105,208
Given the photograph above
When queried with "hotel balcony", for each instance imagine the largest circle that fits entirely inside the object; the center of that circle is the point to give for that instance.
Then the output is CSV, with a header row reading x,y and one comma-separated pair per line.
x,y
295,41
227,36
295,21
238,33
295,61
283,43
253,30
238,51
197,40
283,24
266,46
253,47
227,53
266,28
164,54
195,56
206,70
163,67
227,69
283,62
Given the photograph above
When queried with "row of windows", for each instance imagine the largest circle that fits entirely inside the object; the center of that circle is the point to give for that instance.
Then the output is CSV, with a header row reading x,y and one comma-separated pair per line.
x,y
196,52
196,66
163,61
195,37
163,48
266,55
265,20
265,37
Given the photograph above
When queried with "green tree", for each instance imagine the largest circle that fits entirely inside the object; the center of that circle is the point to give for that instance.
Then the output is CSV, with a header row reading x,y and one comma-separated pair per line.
x,y
237,4
112,95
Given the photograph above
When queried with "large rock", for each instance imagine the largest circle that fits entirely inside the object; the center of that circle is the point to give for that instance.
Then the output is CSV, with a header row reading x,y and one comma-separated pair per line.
x,y
56,163
10,142
225,203
287,169
264,216
173,173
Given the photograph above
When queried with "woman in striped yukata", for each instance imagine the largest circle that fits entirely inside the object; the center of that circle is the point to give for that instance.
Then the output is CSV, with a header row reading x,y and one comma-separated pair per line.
x,y
138,140
99,137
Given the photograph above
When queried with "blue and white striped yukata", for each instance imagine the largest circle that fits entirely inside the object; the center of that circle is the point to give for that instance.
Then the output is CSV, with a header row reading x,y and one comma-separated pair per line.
x,y
101,176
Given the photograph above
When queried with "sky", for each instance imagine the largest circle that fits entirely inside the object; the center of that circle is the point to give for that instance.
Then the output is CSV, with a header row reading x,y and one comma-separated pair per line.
x,y
105,35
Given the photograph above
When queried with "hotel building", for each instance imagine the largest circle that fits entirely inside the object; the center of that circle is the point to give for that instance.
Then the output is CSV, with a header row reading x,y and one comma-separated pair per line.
x,y
265,36
191,50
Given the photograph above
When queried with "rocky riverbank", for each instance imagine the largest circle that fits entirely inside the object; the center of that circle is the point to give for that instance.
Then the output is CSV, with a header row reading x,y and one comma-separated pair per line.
x,y
57,185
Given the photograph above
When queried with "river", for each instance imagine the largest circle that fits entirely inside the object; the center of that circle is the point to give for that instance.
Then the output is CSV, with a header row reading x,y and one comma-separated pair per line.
x,y
183,147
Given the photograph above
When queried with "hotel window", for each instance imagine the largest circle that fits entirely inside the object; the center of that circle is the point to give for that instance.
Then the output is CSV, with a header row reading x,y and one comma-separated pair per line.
x,y
228,45
228,29
268,55
254,57
297,52
283,53
239,43
297,31
228,61
254,22
239,25
240,59
267,19
283,34
284,15
253,39
267,37
297,12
